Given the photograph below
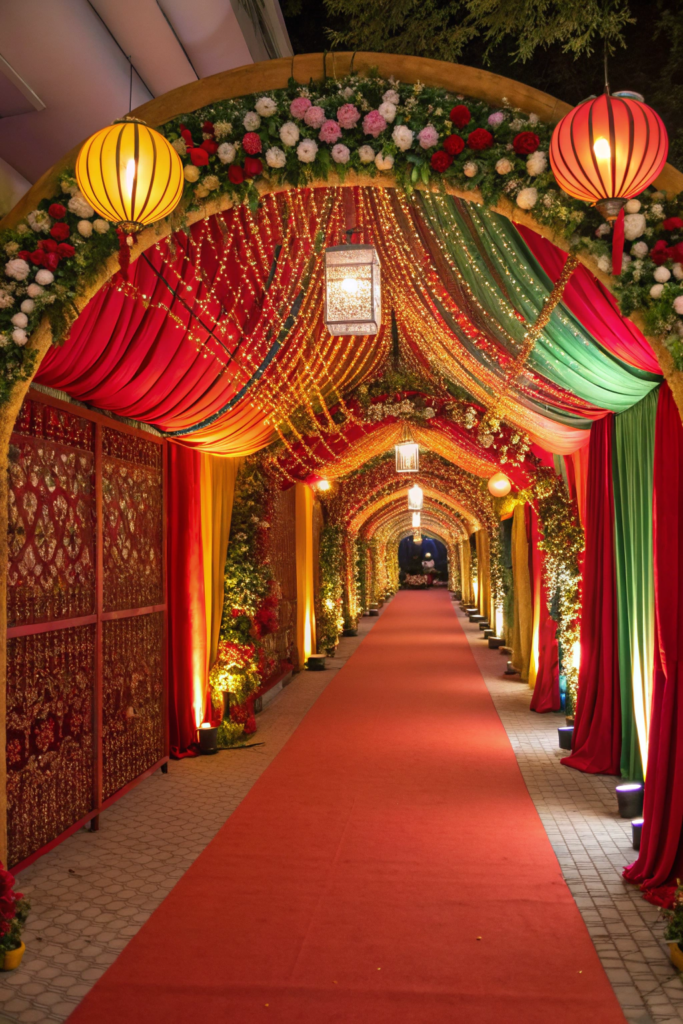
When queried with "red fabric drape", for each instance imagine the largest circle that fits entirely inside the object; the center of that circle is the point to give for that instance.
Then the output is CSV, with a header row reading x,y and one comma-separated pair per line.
x,y
660,861
546,695
186,612
597,730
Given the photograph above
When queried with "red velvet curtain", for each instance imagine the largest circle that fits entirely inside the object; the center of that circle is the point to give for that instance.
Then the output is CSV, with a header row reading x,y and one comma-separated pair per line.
x,y
660,861
597,729
546,695
186,613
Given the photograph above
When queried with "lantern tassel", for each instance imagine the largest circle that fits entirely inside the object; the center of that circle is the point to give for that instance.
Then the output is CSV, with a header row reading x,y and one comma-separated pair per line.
x,y
618,243
124,252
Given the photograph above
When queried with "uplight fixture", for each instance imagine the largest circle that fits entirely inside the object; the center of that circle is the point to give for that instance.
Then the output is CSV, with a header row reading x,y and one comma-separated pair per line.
x,y
630,799
407,453
353,290
415,498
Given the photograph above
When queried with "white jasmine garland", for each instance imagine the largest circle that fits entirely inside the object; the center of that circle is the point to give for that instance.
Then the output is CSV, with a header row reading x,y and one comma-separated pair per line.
x,y
44,277
678,271
662,274
634,226
527,198
656,291
27,306
470,169
40,222
307,151
289,133
632,206
78,205
101,226
226,152
17,269
366,155
20,320
19,336
180,147
221,129
504,166
388,111
84,228
34,291
678,305
251,121
657,211
536,164
403,137
341,154
191,173
276,157
266,106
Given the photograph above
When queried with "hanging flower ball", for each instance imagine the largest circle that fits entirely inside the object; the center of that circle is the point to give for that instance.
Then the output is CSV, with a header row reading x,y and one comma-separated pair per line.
x,y
460,116
348,116
479,139
525,143
454,144
374,123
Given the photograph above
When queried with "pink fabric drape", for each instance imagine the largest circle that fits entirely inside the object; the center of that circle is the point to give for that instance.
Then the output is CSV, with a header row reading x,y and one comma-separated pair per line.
x,y
594,306
597,729
660,861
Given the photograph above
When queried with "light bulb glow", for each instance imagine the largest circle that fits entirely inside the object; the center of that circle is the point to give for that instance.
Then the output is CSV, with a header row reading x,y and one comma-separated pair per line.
x,y
499,485
350,285
602,149
323,485
415,498
416,520
130,176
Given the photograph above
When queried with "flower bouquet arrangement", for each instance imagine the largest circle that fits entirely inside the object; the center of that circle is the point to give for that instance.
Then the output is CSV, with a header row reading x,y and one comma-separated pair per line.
x,y
14,909
674,917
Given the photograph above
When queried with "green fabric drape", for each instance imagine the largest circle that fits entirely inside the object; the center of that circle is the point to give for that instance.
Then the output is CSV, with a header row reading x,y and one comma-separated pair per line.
x,y
505,278
632,473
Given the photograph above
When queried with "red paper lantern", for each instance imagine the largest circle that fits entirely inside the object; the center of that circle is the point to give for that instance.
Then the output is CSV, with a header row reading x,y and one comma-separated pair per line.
x,y
608,150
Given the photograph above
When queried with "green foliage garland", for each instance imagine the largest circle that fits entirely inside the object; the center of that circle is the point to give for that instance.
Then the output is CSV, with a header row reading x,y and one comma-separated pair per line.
x,y
331,588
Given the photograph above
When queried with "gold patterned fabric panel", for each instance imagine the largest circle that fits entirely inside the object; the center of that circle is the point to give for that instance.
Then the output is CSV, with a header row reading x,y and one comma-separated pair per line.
x,y
50,681
132,498
51,532
132,698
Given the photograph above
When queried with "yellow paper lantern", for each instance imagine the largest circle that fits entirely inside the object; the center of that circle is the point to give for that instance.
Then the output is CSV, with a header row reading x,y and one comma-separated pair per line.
x,y
499,485
130,174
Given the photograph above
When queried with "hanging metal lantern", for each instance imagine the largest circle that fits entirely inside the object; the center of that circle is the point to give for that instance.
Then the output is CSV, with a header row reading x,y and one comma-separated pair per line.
x,y
499,485
130,174
608,149
416,520
353,292
415,498
407,453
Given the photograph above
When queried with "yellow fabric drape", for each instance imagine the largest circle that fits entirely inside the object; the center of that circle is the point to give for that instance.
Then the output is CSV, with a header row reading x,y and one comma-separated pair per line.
x,y
484,574
465,572
523,612
305,607
218,477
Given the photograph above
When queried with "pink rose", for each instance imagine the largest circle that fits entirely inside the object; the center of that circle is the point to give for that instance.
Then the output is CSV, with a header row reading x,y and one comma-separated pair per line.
x,y
348,115
314,117
374,123
330,131
496,118
428,137
299,106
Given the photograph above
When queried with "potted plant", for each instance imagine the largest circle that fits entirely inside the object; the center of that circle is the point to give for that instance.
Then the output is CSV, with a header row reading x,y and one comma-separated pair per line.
x,y
674,928
13,913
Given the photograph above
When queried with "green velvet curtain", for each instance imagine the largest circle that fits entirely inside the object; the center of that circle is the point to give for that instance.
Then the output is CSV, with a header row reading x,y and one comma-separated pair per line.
x,y
632,473
506,279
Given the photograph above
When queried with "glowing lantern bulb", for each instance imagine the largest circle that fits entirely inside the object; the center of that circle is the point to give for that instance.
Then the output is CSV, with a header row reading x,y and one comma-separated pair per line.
x,y
350,285
499,485
324,485
602,150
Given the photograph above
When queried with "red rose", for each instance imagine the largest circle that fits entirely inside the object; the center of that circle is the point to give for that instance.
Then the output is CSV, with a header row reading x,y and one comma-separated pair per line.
x,y
236,174
210,146
37,258
454,145
51,261
60,231
199,157
672,224
525,143
47,245
440,161
23,254
660,252
207,127
251,143
460,116
57,211
186,135
252,166
66,250
677,252
479,139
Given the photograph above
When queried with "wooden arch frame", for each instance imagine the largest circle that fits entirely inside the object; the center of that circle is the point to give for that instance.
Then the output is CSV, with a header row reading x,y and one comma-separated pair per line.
x,y
264,76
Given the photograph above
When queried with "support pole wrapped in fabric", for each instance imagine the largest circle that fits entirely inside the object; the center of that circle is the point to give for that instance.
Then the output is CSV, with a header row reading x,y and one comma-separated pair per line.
x,y
466,572
597,729
523,613
305,607
484,574
660,861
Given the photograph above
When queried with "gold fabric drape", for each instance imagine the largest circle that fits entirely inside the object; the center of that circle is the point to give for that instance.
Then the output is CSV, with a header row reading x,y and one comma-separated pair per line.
x,y
218,477
523,611
305,607
465,572
484,574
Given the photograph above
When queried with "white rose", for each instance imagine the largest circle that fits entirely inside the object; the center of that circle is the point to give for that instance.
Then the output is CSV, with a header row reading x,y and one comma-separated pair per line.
x,y
527,198
34,290
533,118
384,163
536,164
251,121
604,264
632,206
85,228
19,336
341,153
40,221
656,291
307,150
639,249
366,155
403,137
20,320
221,129
191,172
180,147
678,305
101,226
388,111
80,207
226,152
470,169
17,269
289,134
27,306
662,274
678,271
391,96
504,166
44,277
266,106
276,157
634,225
6,300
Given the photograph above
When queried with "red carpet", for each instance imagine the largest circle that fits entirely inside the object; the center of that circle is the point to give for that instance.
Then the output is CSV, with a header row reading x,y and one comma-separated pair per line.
x,y
388,867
